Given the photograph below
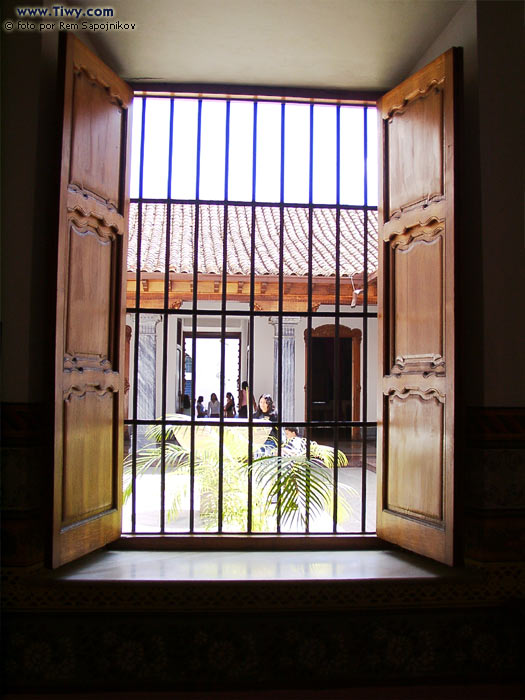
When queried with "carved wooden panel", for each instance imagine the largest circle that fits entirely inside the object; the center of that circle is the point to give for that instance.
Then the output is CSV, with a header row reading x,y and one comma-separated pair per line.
x,y
414,130
328,330
96,138
92,287
90,340
89,492
417,298
414,428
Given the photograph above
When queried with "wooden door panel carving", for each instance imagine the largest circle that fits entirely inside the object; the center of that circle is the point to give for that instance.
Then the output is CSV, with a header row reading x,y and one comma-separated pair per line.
x,y
91,289
415,128
89,492
416,311
90,342
97,127
414,465
417,297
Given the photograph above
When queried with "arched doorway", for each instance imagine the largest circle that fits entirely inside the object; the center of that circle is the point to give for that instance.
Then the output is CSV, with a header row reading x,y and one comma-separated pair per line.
x,y
320,357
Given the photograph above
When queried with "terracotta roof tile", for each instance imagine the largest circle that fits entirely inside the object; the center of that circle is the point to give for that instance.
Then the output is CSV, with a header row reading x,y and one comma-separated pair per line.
x,y
267,227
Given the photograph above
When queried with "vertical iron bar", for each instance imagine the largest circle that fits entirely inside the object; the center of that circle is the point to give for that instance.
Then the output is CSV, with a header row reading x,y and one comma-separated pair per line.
x,y
194,319
137,328
364,416
310,302
223,318
249,406
280,308
337,351
165,321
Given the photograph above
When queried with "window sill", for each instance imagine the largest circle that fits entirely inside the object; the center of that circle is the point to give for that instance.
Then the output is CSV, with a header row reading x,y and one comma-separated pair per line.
x,y
215,582
251,566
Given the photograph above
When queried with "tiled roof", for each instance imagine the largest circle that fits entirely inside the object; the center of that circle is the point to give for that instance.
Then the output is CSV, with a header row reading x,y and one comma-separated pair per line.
x,y
267,221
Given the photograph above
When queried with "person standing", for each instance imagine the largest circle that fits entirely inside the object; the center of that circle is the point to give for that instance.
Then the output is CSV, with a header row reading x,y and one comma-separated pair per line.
x,y
266,411
229,408
200,410
244,397
214,406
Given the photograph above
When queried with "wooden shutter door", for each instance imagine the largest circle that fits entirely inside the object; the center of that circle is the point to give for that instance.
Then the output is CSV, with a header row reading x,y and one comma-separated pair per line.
x,y
416,312
90,341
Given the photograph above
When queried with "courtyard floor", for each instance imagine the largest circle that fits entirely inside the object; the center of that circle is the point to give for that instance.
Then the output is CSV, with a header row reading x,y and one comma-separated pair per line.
x,y
350,479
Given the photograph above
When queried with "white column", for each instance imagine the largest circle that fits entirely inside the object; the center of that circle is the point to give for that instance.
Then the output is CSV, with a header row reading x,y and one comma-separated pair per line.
x,y
287,408
147,374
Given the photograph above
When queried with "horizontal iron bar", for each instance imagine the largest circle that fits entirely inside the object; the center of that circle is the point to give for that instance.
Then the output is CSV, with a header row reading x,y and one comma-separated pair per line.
x,y
255,540
240,312
250,203
236,424
252,93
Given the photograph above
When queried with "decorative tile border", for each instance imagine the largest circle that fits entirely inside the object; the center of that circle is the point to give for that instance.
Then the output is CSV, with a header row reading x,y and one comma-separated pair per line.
x,y
495,425
253,650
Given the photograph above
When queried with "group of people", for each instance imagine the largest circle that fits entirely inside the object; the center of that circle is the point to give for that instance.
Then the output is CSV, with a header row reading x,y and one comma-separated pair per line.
x,y
214,407
293,444
264,409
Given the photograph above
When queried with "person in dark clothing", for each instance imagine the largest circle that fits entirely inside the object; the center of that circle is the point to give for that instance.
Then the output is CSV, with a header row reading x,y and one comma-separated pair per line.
x,y
266,411
229,408
200,410
244,398
266,408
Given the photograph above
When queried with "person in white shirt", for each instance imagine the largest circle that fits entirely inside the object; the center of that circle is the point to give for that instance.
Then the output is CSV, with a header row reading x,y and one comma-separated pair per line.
x,y
214,407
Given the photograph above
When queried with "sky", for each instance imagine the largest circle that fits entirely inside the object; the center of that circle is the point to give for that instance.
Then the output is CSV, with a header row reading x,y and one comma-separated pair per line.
x,y
240,152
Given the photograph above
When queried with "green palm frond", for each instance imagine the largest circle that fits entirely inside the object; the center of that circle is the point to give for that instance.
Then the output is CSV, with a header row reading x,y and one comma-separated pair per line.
x,y
290,484
326,454
299,487
149,458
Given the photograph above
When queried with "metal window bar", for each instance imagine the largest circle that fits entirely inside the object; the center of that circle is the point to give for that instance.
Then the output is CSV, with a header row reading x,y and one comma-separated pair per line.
x,y
336,423
310,303
249,404
194,318
165,318
137,330
220,494
280,306
337,354
364,414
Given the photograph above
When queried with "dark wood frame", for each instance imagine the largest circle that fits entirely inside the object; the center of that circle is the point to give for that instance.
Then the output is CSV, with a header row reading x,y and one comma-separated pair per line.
x,y
328,330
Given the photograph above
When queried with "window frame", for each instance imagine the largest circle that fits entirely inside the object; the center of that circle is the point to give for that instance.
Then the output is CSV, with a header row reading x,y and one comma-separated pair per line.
x,y
280,540
91,525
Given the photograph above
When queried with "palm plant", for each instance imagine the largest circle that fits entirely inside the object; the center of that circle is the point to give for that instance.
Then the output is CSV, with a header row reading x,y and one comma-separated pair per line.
x,y
292,486
299,487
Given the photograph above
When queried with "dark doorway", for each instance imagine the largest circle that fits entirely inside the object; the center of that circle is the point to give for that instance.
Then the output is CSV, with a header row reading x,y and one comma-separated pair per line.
x,y
323,378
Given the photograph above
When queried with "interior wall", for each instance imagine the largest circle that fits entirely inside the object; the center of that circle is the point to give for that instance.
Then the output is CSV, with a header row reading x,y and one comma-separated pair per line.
x,y
500,41
490,238
30,143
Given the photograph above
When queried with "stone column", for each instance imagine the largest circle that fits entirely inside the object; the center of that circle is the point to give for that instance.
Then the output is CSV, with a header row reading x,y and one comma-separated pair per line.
x,y
147,374
287,408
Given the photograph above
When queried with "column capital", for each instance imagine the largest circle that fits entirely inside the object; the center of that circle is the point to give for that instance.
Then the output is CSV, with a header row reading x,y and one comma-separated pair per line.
x,y
147,323
287,320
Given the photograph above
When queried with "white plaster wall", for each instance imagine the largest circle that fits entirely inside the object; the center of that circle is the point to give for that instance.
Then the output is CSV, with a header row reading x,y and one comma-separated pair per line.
x,y
263,358
263,369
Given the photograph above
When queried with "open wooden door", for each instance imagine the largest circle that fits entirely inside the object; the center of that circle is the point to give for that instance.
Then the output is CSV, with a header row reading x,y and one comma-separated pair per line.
x,y
416,311
90,341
